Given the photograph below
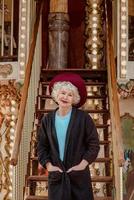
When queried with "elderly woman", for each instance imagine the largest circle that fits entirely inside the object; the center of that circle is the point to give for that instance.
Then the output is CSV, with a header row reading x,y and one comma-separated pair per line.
x,y
68,141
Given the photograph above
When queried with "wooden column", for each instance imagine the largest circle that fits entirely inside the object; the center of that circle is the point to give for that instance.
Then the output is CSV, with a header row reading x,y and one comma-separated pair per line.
x,y
59,6
58,34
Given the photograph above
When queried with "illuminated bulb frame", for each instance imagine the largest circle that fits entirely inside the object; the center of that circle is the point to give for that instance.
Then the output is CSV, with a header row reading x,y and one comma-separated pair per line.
x,y
12,137
122,39
22,38
94,34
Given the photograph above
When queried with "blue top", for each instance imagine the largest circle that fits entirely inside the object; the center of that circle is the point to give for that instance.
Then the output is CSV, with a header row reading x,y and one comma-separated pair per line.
x,y
61,125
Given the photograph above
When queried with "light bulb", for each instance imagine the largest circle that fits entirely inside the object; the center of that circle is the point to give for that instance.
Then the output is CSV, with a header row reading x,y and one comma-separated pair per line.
x,y
12,130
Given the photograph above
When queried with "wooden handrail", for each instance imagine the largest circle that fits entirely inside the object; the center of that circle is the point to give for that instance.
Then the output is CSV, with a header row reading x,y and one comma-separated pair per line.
x,y
21,114
132,195
118,153
112,69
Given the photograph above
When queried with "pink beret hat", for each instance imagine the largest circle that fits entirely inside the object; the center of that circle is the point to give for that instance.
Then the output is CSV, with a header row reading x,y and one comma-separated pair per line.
x,y
76,80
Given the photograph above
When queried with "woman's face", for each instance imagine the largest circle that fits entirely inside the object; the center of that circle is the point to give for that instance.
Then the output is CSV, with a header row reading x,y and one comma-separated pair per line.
x,y
65,98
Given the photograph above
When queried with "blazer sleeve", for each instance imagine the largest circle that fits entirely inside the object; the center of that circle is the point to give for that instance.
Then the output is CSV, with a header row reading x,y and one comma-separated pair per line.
x,y
43,146
91,140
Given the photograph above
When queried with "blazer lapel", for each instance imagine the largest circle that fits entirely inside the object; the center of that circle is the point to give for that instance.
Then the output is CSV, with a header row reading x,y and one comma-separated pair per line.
x,y
54,135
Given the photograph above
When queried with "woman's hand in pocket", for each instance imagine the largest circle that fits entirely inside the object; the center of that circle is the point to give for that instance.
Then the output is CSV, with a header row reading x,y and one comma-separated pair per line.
x,y
52,168
81,166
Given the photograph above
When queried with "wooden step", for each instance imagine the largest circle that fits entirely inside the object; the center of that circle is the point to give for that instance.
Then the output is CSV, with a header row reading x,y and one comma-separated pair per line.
x,y
103,111
104,142
31,197
103,126
105,179
88,83
88,97
37,178
46,198
103,198
84,73
100,160
103,160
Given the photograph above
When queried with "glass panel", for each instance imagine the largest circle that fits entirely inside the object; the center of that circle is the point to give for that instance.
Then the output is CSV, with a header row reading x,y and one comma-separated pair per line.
x,y
7,27
9,15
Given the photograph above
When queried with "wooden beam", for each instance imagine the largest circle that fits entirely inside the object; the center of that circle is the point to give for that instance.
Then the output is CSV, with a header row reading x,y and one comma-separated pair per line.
x,y
59,6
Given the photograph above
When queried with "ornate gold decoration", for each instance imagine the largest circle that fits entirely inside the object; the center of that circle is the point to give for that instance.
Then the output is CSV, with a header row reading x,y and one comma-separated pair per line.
x,y
94,34
5,70
126,90
8,95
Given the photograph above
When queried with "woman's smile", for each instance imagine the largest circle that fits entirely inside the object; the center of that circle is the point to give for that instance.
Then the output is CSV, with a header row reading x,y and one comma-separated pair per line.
x,y
65,97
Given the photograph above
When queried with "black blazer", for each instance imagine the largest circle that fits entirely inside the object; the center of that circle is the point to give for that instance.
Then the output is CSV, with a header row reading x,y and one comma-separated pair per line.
x,y
81,143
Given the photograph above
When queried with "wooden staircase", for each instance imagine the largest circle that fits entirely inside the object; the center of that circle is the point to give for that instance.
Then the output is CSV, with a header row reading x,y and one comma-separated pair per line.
x,y
97,105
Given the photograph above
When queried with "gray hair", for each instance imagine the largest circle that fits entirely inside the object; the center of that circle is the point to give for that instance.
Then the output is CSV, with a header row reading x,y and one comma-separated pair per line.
x,y
67,85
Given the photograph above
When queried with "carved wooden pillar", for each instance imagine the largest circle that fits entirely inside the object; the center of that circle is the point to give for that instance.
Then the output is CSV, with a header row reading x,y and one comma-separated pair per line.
x,y
58,34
